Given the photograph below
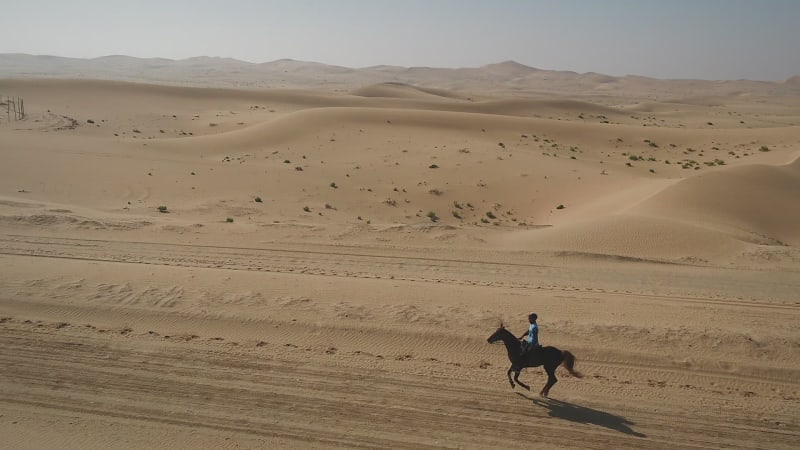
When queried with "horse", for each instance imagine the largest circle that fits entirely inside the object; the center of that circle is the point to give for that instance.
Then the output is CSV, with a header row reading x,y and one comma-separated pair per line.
x,y
549,357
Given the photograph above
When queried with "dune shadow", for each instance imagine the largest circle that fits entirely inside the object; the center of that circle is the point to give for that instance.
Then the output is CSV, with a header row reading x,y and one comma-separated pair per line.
x,y
582,414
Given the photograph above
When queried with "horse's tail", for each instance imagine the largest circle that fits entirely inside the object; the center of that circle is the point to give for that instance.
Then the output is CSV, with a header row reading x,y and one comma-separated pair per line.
x,y
569,364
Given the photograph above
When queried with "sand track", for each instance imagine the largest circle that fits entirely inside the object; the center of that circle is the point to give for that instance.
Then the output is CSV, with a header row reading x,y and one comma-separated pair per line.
x,y
170,357
245,394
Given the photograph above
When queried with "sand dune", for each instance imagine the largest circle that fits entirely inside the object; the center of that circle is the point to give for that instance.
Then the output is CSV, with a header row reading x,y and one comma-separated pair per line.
x,y
190,265
755,203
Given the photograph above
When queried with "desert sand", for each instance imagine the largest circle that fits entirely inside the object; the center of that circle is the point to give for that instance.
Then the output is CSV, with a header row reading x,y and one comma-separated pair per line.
x,y
319,265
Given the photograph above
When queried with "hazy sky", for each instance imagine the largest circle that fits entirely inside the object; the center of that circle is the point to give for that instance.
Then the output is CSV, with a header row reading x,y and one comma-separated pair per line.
x,y
711,39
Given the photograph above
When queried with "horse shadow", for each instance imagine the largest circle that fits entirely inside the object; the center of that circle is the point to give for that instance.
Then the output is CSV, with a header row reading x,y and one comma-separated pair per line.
x,y
582,414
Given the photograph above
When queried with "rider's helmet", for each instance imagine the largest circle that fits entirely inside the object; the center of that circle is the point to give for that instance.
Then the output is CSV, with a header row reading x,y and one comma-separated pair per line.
x,y
532,317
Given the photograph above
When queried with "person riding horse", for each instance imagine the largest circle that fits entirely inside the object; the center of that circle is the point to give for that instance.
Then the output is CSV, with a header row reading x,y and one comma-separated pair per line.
x,y
530,340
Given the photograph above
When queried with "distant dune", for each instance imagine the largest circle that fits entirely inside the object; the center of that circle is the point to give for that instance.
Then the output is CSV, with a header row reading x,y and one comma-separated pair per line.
x,y
508,78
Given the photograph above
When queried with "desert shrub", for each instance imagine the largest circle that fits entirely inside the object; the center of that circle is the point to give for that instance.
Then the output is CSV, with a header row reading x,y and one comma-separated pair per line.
x,y
433,166
490,215
306,209
258,199
163,209
229,220
333,185
560,207
763,148
456,215
432,215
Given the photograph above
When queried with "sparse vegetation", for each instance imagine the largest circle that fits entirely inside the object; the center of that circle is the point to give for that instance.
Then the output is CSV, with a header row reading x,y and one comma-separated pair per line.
x,y
229,220
490,215
433,166
764,148
560,207
163,209
258,199
333,185
306,209
432,215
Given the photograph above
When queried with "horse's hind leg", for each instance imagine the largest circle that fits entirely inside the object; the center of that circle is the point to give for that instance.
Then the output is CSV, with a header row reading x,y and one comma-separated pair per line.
x,y
551,380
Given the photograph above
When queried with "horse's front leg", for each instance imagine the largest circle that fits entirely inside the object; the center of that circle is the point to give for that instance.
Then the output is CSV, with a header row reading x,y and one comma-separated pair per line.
x,y
510,369
516,378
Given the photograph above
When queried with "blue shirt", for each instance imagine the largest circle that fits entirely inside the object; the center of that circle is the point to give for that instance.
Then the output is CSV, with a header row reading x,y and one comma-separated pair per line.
x,y
533,335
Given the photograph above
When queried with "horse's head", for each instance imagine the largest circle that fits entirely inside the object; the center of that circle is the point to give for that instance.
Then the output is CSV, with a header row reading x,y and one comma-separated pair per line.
x,y
497,335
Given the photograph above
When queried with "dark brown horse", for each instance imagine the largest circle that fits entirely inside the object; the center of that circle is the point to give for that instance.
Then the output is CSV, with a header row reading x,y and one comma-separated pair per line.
x,y
549,357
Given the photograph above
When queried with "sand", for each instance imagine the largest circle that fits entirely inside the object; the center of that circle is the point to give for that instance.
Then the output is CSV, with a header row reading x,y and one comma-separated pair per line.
x,y
318,267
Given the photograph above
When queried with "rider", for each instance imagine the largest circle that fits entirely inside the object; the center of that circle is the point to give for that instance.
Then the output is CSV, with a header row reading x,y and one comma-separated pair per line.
x,y
531,337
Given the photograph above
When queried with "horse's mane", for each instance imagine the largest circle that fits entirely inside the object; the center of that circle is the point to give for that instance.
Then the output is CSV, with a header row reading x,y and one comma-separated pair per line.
x,y
503,330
